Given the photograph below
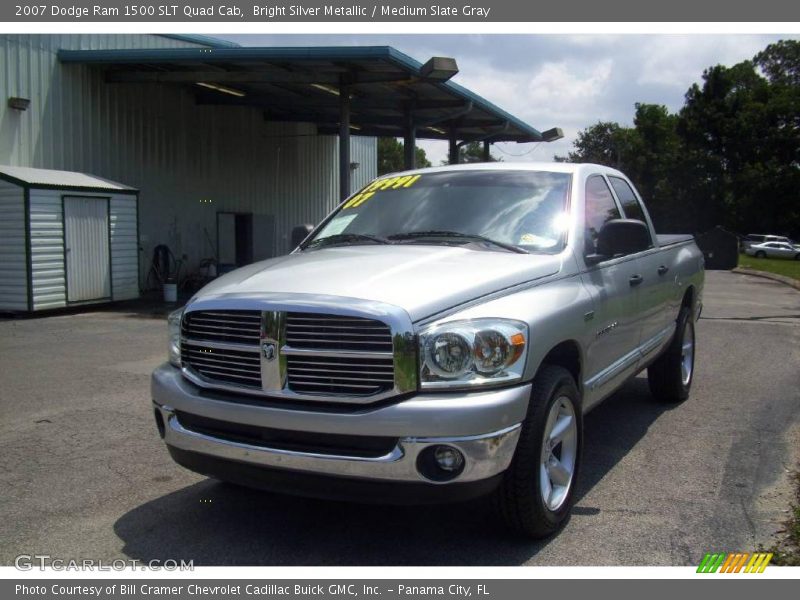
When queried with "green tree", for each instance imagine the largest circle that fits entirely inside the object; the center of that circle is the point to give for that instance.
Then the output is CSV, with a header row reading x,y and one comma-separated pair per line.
x,y
604,143
390,156
730,156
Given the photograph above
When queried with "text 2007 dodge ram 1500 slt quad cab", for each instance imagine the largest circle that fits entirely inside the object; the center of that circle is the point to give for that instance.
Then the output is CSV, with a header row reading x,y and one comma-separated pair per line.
x,y
439,336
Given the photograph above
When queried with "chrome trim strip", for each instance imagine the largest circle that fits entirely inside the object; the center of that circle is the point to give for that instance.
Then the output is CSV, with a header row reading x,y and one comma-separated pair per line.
x,y
289,351
656,340
484,455
623,363
613,370
253,348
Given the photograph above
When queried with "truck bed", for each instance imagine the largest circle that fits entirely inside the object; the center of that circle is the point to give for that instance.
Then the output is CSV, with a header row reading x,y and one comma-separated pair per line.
x,y
672,239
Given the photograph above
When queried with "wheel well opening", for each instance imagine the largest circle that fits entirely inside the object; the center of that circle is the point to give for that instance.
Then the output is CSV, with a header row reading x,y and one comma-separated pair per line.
x,y
568,356
688,298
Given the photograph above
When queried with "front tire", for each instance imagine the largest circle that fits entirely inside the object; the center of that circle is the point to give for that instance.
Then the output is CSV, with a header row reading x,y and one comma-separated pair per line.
x,y
537,491
670,376
761,254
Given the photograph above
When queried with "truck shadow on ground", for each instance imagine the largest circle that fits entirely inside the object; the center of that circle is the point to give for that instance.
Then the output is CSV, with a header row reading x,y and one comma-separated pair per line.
x,y
219,524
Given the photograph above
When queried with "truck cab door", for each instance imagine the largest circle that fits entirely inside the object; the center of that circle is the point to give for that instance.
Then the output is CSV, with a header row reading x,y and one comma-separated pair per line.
x,y
613,327
657,288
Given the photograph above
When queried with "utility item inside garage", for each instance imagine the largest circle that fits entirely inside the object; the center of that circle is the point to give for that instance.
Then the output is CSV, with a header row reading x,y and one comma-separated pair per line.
x,y
65,238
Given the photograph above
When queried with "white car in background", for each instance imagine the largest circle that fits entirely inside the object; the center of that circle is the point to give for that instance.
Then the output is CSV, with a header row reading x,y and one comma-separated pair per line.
x,y
774,250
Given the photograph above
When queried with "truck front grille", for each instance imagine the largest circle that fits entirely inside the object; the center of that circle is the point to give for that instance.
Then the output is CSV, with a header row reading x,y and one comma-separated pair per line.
x,y
339,376
206,349
236,326
334,332
323,354
341,356
239,367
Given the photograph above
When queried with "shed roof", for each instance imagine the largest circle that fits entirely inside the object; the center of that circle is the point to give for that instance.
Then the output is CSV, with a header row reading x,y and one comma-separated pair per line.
x,y
67,180
302,83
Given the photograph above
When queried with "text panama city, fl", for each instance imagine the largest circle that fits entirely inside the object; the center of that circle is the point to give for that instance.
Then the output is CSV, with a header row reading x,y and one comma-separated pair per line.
x,y
263,11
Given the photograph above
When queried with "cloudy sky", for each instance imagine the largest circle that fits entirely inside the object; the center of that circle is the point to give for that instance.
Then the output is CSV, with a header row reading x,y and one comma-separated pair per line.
x,y
567,81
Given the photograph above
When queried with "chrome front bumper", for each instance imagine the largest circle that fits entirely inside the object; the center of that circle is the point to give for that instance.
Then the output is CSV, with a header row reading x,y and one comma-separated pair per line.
x,y
484,426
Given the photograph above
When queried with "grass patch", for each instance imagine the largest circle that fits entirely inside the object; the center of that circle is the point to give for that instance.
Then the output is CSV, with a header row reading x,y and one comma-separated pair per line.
x,y
781,266
787,550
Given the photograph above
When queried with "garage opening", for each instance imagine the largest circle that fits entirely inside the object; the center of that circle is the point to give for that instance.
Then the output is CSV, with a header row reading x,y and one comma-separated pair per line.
x,y
234,239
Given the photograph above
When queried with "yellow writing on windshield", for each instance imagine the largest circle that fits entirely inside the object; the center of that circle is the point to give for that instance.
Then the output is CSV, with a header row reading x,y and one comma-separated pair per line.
x,y
388,183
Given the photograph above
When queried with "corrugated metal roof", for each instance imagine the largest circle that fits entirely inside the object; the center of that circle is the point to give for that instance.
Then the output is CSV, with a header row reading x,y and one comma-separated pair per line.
x,y
293,84
59,179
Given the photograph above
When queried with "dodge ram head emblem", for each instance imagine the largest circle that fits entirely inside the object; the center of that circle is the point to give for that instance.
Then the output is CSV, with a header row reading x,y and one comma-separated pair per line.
x,y
270,350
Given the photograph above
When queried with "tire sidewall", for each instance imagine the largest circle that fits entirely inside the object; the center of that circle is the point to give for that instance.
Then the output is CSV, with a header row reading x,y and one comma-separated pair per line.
x,y
564,387
686,321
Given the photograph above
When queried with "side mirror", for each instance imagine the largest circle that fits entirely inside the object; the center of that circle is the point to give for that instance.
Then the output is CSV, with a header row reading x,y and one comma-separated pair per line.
x,y
299,233
619,237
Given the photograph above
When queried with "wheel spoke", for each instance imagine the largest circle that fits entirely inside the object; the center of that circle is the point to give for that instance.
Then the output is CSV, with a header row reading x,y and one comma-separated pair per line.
x,y
561,427
544,483
559,474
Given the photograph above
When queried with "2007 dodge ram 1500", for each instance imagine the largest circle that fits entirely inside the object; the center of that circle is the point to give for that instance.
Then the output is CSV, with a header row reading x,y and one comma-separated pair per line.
x,y
439,336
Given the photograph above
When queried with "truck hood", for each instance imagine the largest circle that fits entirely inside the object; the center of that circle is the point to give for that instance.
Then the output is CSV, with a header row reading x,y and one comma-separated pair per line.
x,y
421,279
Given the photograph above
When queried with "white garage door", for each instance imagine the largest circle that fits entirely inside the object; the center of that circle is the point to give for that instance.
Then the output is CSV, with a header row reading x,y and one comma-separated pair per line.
x,y
86,245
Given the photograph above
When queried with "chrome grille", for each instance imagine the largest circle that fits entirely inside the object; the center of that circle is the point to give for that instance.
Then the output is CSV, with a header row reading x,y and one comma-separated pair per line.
x,y
338,355
333,332
236,326
223,346
239,367
340,376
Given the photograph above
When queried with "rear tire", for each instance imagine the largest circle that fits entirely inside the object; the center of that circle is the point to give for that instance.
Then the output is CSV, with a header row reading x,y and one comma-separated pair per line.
x,y
536,494
670,376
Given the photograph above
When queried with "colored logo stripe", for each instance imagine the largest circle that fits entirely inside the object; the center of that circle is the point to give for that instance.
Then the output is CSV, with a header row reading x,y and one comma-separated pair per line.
x,y
734,562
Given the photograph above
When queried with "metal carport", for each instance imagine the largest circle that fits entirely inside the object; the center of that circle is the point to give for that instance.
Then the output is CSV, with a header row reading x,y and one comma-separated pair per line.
x,y
371,91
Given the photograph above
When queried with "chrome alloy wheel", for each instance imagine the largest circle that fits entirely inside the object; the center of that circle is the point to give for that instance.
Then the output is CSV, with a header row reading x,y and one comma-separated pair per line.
x,y
559,453
687,354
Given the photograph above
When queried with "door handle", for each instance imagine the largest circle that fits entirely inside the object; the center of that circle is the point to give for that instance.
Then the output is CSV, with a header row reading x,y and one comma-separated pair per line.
x,y
635,280
662,269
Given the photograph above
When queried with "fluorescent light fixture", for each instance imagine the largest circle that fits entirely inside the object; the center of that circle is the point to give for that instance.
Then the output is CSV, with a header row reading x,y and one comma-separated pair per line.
x,y
221,88
355,127
326,88
439,68
551,135
436,130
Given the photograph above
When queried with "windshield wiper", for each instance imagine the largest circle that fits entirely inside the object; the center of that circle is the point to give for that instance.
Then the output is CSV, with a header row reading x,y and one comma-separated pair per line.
x,y
412,235
346,238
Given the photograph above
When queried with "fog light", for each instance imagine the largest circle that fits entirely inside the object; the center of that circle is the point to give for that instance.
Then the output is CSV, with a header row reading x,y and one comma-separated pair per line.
x,y
448,458
440,463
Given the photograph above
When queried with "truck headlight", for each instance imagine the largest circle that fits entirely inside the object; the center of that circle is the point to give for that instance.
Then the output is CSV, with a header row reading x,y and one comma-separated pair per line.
x,y
472,352
174,339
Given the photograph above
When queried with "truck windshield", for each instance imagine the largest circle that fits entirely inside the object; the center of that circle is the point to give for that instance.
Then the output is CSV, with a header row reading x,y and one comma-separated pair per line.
x,y
507,210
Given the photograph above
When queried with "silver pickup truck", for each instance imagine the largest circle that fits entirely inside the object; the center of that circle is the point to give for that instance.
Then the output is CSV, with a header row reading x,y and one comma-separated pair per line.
x,y
439,336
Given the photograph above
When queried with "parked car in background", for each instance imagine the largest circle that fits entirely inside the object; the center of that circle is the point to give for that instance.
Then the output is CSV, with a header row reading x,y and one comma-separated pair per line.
x,y
753,239
774,250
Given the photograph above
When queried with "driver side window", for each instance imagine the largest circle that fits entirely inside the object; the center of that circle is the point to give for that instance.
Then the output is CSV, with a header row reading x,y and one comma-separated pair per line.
x,y
600,208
